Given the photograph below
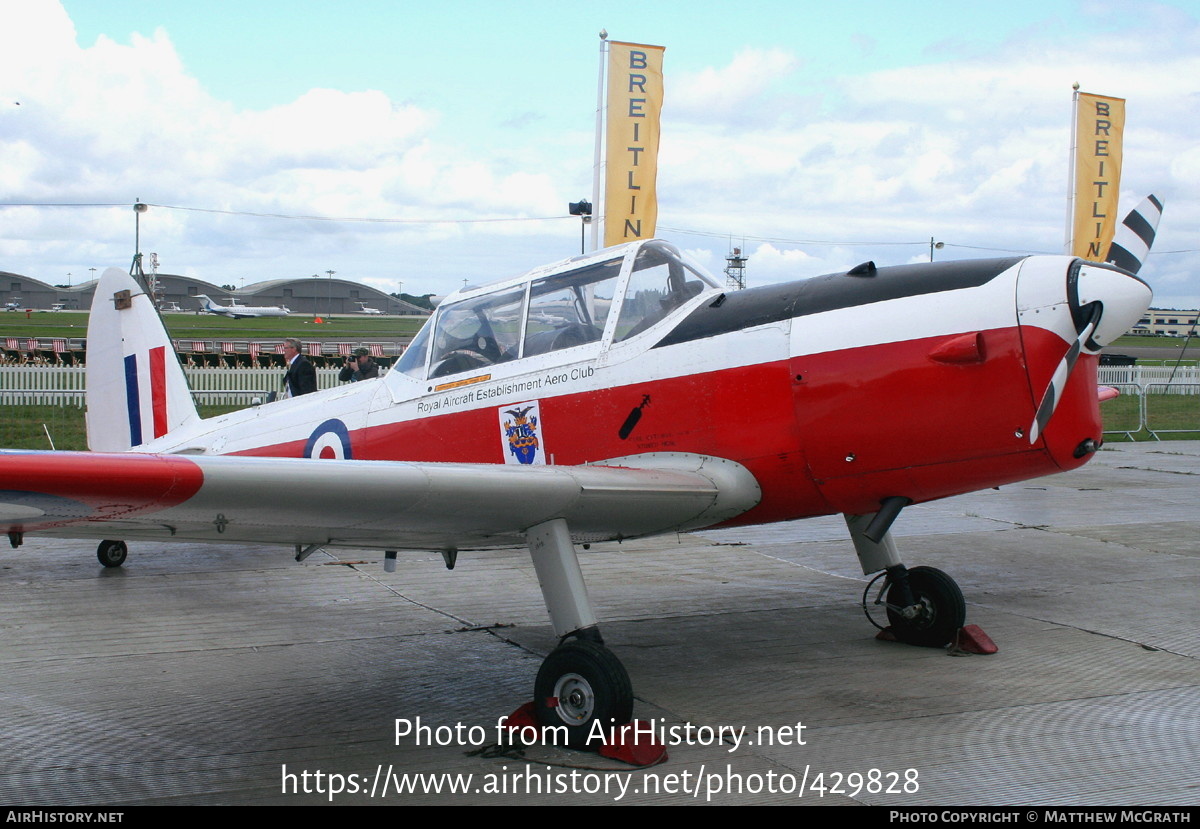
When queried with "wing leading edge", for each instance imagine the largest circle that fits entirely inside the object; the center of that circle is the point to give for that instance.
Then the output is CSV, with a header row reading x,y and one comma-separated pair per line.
x,y
379,504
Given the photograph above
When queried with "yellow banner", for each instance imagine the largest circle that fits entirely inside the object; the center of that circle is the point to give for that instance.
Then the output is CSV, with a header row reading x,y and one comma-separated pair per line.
x,y
1099,123
635,95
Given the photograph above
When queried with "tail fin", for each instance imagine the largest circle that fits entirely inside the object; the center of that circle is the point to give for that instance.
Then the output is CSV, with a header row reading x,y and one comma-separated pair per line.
x,y
1134,237
136,389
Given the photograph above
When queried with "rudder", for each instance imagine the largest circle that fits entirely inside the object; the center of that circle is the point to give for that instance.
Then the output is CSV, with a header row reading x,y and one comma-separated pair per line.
x,y
136,389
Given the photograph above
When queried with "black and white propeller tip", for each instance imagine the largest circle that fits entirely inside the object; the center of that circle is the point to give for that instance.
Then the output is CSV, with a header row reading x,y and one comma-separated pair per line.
x,y
1135,235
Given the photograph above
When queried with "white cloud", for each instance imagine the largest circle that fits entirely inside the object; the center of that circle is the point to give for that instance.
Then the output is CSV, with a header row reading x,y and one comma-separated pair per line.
x,y
969,147
115,122
731,91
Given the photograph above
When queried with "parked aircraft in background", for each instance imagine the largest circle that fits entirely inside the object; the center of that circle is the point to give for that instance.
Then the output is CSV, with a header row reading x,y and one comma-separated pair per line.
x,y
238,312
364,309
619,394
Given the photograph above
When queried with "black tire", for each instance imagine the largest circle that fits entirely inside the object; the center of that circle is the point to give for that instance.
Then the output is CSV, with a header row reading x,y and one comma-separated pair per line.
x,y
580,684
112,553
944,611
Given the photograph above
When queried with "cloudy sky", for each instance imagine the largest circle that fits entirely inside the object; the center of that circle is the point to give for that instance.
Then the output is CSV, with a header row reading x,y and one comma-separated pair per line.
x,y
442,142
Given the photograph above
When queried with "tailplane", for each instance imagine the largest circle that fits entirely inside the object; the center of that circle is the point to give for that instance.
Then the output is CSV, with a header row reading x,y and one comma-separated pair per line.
x,y
136,389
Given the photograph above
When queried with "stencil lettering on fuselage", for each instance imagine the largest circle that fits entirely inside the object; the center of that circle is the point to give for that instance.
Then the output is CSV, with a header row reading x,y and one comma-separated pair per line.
x,y
329,440
521,433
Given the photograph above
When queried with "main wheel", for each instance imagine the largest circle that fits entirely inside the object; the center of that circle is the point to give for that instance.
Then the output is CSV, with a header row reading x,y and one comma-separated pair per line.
x,y
583,687
941,609
112,553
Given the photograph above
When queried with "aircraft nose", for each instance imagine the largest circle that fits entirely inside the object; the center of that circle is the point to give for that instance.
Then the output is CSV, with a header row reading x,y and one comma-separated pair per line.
x,y
1102,303
1123,298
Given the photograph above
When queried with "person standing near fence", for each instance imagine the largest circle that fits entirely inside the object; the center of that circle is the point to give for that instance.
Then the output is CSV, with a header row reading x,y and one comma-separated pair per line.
x,y
301,377
359,367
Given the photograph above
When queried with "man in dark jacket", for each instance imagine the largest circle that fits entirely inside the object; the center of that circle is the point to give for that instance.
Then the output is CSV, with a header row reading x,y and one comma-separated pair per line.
x,y
301,377
359,367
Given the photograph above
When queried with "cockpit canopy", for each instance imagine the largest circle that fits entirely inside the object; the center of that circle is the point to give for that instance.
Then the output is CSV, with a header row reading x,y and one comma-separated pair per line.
x,y
608,297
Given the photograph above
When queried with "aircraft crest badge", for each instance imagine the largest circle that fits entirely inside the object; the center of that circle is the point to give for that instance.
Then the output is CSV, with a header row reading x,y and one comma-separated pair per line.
x,y
521,435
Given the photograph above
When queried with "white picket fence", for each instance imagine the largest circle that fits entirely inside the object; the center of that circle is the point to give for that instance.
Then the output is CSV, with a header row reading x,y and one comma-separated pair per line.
x,y
239,386
48,385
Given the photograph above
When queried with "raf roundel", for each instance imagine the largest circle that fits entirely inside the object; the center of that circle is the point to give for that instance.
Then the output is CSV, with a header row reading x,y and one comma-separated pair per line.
x,y
330,440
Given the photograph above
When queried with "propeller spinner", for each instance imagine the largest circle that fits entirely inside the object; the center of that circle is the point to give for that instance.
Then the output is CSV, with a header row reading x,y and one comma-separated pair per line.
x,y
1104,303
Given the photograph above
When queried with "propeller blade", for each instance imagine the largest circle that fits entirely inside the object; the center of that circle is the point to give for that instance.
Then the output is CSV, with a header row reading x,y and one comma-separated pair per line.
x,y
1134,237
1058,381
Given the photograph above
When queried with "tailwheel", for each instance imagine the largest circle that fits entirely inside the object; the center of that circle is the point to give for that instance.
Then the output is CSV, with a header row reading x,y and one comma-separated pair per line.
x,y
112,553
582,683
937,612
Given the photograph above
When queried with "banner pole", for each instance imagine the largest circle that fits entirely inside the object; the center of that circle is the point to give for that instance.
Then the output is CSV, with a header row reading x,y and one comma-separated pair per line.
x,y
597,212
1069,244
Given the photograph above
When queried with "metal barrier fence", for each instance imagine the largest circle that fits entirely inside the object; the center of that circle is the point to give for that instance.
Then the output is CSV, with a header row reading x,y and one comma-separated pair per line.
x,y
1170,410
1153,410
1126,415
1143,376
1154,401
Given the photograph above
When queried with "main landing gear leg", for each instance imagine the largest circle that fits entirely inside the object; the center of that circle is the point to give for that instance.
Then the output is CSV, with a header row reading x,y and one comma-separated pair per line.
x,y
581,682
924,605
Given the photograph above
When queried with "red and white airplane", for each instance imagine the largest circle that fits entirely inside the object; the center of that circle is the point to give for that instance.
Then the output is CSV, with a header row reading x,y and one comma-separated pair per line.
x,y
610,396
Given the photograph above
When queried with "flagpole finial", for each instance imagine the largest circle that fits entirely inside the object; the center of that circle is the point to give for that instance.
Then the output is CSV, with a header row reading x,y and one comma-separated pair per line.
x,y
1075,86
604,34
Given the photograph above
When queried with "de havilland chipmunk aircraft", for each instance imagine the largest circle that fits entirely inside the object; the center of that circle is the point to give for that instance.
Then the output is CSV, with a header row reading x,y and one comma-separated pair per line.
x,y
609,396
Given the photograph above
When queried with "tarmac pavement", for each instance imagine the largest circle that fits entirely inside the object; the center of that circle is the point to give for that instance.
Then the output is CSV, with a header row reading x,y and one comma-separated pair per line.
x,y
199,674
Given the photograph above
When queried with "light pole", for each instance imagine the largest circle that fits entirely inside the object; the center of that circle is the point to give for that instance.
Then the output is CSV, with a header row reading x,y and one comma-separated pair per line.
x,y
138,210
582,209
932,245
330,291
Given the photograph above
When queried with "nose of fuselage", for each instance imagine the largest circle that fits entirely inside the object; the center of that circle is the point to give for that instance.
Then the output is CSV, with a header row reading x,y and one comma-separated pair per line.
x,y
1061,295
1123,299
1068,309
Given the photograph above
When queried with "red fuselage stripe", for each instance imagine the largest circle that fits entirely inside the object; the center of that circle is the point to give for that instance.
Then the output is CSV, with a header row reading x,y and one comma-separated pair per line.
x,y
822,433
